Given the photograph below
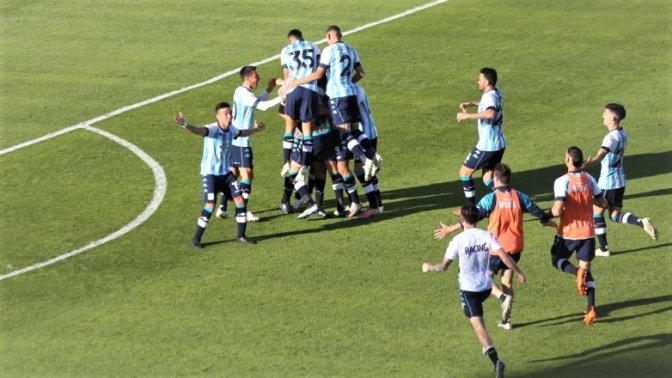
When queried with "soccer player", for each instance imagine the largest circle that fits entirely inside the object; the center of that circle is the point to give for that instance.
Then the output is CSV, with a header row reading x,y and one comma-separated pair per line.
x,y
216,175
612,179
504,207
368,127
244,104
491,142
575,194
339,61
473,247
299,59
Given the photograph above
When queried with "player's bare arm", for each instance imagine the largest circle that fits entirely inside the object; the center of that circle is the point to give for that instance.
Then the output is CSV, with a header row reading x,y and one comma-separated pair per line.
x,y
594,160
556,210
312,77
444,231
179,119
258,127
508,261
465,105
486,114
440,267
359,74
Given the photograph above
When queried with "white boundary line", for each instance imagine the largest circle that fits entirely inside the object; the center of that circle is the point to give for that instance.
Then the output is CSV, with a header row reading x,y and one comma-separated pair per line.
x,y
159,175
209,81
160,185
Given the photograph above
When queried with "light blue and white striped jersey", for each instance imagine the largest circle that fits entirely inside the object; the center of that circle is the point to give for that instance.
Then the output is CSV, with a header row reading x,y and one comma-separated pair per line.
x,y
612,175
216,150
490,134
340,60
244,103
301,59
368,126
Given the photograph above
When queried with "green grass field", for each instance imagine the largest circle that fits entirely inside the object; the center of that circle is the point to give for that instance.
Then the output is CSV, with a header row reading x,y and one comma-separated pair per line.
x,y
334,298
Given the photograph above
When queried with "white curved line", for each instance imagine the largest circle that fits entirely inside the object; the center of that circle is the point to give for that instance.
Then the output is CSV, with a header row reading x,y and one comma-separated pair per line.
x,y
159,192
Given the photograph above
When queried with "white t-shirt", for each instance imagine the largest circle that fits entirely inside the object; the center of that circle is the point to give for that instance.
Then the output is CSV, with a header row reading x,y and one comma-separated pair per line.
x,y
472,248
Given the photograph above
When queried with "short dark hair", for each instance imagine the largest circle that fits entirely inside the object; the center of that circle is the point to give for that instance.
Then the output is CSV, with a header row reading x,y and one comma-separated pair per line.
x,y
490,75
618,110
577,156
470,213
296,33
503,173
221,105
247,71
336,29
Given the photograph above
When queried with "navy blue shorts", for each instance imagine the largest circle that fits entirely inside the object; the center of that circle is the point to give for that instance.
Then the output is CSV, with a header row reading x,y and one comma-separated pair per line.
x,y
478,159
212,185
497,265
242,157
302,104
344,110
563,248
325,145
472,302
614,197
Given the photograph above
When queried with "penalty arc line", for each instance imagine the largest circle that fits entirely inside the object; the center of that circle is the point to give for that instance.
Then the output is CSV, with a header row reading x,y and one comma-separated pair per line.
x,y
160,186
206,82
159,174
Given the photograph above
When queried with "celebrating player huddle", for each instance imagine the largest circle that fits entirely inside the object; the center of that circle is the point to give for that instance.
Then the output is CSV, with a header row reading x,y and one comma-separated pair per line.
x,y
328,122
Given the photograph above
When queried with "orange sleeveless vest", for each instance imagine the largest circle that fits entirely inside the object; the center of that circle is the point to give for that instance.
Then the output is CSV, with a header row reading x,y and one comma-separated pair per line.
x,y
506,221
576,221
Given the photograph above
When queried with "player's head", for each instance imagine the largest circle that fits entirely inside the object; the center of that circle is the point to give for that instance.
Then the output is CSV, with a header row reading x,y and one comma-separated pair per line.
x,y
613,114
223,114
487,78
333,34
502,173
574,158
250,76
469,214
294,35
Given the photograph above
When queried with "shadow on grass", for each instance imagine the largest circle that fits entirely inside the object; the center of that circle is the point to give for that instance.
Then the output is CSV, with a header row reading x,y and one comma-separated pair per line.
x,y
537,183
656,246
643,356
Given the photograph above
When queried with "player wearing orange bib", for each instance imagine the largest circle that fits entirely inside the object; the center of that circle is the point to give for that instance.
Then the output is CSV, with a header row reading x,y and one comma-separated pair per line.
x,y
504,209
575,194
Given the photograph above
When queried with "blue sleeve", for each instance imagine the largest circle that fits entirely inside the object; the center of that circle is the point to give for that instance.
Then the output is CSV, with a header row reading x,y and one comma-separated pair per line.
x,y
529,206
486,205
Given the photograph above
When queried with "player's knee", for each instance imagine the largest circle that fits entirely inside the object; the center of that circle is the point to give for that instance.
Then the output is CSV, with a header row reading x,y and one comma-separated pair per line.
x,y
211,204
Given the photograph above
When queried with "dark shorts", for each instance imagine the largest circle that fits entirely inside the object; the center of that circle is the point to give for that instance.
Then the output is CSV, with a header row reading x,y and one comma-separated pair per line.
x,y
344,110
472,302
614,197
302,104
496,264
212,185
563,248
478,159
242,157
324,145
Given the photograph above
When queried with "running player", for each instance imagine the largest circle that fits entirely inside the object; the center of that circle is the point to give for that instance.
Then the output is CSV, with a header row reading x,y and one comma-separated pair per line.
x,y
575,194
216,176
491,142
612,179
473,247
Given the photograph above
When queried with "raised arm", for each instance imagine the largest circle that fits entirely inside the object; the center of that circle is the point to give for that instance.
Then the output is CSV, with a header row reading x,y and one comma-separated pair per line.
x,y
179,119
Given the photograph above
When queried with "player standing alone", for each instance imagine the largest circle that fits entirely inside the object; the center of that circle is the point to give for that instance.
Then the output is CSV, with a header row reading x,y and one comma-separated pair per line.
x,y
491,142
612,179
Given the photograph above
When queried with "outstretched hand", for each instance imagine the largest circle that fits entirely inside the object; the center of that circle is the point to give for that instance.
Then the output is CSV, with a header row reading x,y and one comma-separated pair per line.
x,y
179,119
444,231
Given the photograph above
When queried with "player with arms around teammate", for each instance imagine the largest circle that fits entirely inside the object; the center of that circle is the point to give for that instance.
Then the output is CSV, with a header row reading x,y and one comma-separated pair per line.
x,y
575,194
473,247
491,142
339,61
612,179
299,59
504,208
244,104
216,175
